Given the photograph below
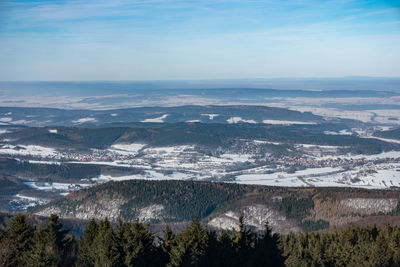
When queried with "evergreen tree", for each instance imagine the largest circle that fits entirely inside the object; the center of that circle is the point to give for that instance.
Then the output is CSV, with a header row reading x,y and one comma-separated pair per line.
x,y
191,247
140,249
87,254
167,243
243,243
50,244
16,242
106,250
267,252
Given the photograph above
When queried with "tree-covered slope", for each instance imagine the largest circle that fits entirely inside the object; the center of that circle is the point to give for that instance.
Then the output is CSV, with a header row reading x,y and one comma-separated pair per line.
x,y
391,134
210,134
162,200
221,204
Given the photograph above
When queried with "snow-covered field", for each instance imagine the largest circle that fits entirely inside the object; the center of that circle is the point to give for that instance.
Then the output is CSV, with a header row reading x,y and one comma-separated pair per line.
x,y
63,187
148,175
284,178
283,122
26,150
324,166
126,149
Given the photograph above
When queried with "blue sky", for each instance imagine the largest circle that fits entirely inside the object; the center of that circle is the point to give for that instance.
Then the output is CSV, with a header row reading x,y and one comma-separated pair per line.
x,y
157,39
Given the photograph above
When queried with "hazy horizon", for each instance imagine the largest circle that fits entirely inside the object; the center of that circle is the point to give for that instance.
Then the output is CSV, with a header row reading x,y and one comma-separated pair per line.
x,y
182,40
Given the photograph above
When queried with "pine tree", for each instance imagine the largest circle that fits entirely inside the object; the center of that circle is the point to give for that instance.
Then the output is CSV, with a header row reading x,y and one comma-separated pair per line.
x,y
225,253
243,243
167,243
107,252
49,244
16,242
87,254
267,252
140,249
191,247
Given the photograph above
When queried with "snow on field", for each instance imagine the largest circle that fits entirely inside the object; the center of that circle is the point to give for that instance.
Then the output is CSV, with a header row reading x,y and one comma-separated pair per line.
x,y
5,119
22,122
83,120
380,178
66,187
54,131
44,162
25,202
168,149
286,122
210,116
239,119
159,119
316,146
266,142
148,175
32,150
237,157
283,178
269,179
386,116
383,155
27,197
341,132
129,164
126,149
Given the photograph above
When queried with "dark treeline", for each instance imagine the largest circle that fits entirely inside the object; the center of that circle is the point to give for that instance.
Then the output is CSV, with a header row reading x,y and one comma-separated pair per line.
x,y
132,244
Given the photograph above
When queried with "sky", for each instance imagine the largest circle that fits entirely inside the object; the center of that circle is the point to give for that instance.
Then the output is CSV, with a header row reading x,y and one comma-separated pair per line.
x,y
219,39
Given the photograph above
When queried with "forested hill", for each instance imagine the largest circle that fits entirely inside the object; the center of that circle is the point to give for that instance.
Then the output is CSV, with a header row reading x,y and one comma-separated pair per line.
x,y
220,204
205,114
211,134
391,134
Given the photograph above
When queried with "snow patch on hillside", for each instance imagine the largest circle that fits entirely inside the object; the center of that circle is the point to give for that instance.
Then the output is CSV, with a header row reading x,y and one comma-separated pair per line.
x,y
210,116
239,119
151,212
103,208
159,119
83,120
372,205
254,215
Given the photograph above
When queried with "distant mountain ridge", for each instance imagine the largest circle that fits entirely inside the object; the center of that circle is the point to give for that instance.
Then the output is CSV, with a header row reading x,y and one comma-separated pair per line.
x,y
169,134
204,114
